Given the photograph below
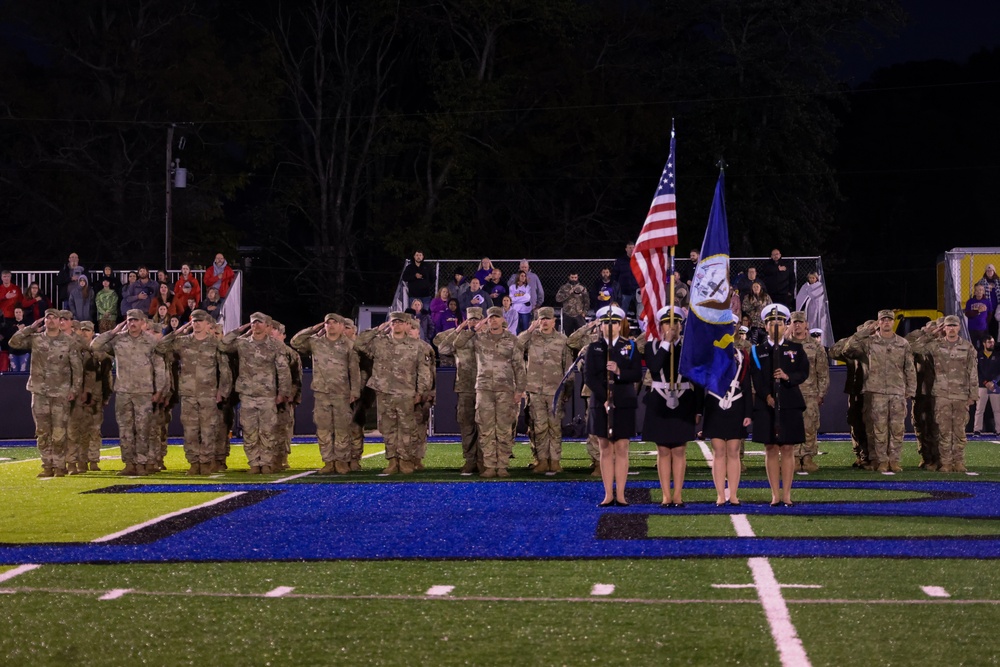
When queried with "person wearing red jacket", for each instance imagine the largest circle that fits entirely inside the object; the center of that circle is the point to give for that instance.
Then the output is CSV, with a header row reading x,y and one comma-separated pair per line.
x,y
189,278
10,295
220,276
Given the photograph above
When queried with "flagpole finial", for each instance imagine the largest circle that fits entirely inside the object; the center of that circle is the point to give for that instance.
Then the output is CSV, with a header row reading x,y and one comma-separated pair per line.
x,y
721,164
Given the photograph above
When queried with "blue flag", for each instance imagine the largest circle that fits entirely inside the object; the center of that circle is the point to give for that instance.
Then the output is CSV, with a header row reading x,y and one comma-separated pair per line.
x,y
707,352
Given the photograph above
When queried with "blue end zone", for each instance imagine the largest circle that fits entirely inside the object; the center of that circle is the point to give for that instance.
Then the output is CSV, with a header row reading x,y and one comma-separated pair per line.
x,y
508,520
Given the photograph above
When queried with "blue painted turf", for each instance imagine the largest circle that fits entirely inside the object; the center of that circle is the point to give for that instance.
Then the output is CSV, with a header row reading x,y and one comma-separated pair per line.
x,y
513,520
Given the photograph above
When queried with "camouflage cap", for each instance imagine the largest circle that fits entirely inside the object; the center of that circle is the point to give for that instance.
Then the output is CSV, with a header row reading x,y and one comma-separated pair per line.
x,y
87,326
260,317
939,322
278,325
799,316
883,314
473,313
135,314
200,315
399,315
495,311
348,322
333,316
952,321
54,312
546,313
65,315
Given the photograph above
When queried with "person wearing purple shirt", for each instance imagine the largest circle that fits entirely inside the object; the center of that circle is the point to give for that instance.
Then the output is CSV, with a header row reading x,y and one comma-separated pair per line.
x,y
977,312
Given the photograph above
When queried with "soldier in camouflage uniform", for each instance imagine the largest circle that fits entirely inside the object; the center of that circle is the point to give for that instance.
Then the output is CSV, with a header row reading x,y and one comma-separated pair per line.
x,y
84,442
264,383
890,379
813,391
140,382
286,411
955,389
229,368
925,426
336,386
400,377
549,357
55,381
500,380
163,411
578,342
465,389
575,300
362,406
854,388
423,409
203,382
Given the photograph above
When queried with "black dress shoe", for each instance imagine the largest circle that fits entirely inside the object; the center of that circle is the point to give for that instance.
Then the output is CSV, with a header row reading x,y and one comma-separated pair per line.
x,y
621,503
722,504
775,504
610,503
680,506
788,504
736,504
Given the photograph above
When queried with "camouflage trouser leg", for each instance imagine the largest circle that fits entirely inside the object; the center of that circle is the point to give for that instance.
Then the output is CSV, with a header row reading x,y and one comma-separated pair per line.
x,y
885,416
951,417
228,417
495,410
259,416
548,427
925,428
397,421
283,419
94,438
811,418
422,419
529,429
289,429
201,420
467,427
593,445
334,425
51,420
78,432
134,413
857,427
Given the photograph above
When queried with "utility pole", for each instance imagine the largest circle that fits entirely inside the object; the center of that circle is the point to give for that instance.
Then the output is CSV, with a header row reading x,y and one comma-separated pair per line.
x,y
169,178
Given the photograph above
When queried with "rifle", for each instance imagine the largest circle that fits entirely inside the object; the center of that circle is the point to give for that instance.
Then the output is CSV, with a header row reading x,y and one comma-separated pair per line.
x,y
775,365
609,404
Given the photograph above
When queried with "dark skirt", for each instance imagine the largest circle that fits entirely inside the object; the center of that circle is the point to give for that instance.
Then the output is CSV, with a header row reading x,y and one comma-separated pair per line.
x,y
665,426
724,424
792,429
623,421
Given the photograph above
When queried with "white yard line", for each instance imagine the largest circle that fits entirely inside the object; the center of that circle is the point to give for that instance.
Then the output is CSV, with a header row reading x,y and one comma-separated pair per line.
x,y
144,524
439,591
935,591
115,593
706,451
288,479
17,571
279,592
602,589
742,525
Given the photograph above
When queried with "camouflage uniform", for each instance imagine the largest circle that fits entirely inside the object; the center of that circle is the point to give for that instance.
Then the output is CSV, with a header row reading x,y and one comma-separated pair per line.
x,y
203,381
56,373
465,389
140,375
229,368
549,358
890,379
263,376
84,438
400,377
336,384
925,426
361,409
423,409
286,411
575,300
577,342
163,412
500,374
854,388
955,386
813,390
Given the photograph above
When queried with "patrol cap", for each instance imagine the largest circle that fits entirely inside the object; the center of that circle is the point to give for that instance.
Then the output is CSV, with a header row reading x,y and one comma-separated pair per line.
x,y
333,316
546,313
65,315
278,325
663,314
200,315
87,326
816,333
399,315
348,322
54,312
939,322
494,311
610,314
774,311
799,316
135,314
473,313
883,314
952,321
260,317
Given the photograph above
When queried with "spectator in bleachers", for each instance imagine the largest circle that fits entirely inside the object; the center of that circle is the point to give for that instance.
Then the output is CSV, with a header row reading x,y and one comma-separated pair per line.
x,y
19,359
129,281
10,295
418,278
183,301
425,326
189,279
220,276
991,284
106,301
510,316
621,273
977,313
113,281
475,296
139,294
756,299
520,296
66,279
575,302
454,316
811,300
534,282
605,291
438,308
34,303
778,276
164,297
81,301
485,270
686,273
458,286
495,286
213,303
160,319
736,304
745,279
162,278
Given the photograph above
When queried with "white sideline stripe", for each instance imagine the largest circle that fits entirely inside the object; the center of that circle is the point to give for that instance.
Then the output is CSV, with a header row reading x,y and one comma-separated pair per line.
x,y
742,525
17,571
935,591
140,526
368,456
602,589
439,591
706,451
5,458
288,479
280,591
115,593
733,586
790,649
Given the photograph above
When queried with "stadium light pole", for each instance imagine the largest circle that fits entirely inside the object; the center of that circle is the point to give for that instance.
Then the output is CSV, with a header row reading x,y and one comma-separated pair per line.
x,y
169,198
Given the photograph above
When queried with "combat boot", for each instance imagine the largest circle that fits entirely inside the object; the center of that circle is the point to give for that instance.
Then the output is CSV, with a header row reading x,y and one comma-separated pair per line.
x,y
895,467
406,466
327,468
58,472
882,467
221,464
341,467
354,465
266,470
502,472
541,467
195,469
798,463
212,466
596,470
960,467
554,466
141,470
129,471
468,468
945,468
94,466
46,472
418,465
392,468
488,473
73,469
254,470
809,465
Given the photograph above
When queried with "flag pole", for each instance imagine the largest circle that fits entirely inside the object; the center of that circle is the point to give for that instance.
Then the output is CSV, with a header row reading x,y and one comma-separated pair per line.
x,y
673,346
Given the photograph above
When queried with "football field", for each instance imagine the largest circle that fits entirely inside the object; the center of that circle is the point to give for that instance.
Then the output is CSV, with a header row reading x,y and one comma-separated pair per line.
x,y
438,568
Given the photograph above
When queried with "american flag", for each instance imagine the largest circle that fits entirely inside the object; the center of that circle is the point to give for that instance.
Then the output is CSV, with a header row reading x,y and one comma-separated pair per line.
x,y
650,260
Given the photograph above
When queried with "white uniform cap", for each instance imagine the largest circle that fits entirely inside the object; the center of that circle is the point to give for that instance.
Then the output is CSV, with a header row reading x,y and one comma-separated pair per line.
x,y
663,314
816,332
774,311
613,313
